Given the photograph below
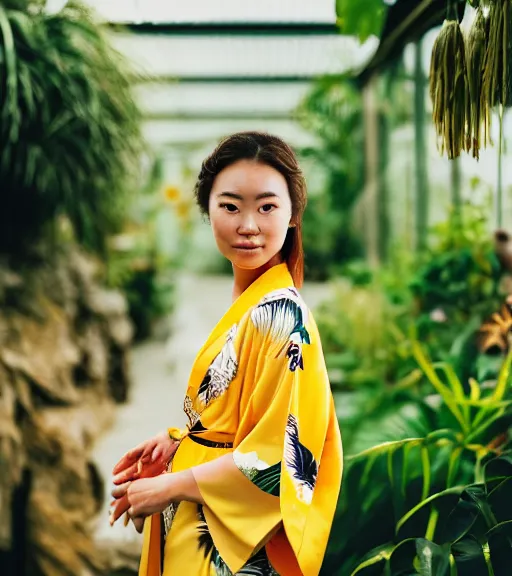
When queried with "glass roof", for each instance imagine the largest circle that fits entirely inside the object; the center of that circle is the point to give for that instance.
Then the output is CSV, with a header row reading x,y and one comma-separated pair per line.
x,y
214,11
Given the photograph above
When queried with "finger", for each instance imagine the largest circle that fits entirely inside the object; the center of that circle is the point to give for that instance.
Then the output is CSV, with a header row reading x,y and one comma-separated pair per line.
x,y
120,491
157,452
146,454
120,508
139,524
130,457
128,474
127,460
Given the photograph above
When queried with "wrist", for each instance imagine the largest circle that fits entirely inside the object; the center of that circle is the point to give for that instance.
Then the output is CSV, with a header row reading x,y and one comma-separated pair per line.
x,y
171,488
182,486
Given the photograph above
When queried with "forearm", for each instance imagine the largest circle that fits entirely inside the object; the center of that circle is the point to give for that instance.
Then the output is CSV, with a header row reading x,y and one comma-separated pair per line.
x,y
184,487
185,484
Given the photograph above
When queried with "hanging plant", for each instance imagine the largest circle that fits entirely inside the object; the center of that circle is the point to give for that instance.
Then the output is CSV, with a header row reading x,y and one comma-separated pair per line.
x,y
477,109
497,74
449,87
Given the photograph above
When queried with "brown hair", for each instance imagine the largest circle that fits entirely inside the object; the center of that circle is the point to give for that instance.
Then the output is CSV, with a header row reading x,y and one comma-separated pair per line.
x,y
274,152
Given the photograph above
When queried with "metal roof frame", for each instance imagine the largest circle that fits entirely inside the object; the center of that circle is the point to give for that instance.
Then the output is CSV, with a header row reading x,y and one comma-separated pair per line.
x,y
233,28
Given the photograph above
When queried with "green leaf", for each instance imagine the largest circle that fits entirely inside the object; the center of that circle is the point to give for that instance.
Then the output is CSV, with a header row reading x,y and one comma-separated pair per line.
x,y
425,463
402,558
500,500
500,547
460,520
360,18
469,557
498,467
434,560
503,382
447,498
373,558
385,448
443,390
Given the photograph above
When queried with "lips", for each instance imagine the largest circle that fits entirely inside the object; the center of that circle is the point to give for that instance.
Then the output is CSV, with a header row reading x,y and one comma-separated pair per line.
x,y
246,246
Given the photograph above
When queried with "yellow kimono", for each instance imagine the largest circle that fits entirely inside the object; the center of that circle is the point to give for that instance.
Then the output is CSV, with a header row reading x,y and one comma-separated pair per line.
x,y
259,390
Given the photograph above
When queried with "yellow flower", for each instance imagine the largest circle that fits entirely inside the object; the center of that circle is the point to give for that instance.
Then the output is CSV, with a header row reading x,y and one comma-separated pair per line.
x,y
183,210
172,193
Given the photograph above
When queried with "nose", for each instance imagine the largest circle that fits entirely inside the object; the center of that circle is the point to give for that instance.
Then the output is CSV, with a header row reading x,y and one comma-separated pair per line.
x,y
248,225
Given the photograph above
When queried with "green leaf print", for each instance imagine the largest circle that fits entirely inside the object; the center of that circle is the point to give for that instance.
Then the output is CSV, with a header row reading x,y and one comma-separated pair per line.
x,y
269,480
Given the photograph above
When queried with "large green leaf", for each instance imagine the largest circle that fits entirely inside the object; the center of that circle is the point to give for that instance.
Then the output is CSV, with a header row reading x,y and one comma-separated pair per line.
x,y
469,557
401,560
434,560
500,546
414,523
500,500
360,18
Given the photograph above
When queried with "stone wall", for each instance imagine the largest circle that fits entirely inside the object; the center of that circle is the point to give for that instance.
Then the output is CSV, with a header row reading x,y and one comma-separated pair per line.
x,y
64,342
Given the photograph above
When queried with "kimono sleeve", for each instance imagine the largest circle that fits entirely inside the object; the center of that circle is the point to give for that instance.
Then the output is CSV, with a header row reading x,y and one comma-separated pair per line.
x,y
285,412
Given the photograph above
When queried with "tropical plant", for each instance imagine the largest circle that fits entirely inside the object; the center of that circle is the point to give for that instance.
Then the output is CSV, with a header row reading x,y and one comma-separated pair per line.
x,y
456,288
70,129
362,18
363,335
332,112
434,497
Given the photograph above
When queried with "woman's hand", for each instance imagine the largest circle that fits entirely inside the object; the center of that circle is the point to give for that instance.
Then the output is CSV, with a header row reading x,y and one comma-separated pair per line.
x,y
142,498
148,459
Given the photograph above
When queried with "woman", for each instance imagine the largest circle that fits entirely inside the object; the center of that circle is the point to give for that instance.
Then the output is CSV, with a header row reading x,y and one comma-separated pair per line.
x,y
256,475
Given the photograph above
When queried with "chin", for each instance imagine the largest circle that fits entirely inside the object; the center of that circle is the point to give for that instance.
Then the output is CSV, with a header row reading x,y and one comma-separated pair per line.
x,y
250,262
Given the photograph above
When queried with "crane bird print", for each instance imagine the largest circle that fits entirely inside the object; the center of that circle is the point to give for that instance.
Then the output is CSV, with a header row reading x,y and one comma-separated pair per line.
x,y
301,464
221,371
283,316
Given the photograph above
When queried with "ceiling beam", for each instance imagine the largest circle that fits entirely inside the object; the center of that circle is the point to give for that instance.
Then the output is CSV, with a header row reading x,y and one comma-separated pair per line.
x,y
233,28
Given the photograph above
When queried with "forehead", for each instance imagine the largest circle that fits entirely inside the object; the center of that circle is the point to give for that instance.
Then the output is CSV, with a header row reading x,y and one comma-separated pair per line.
x,y
247,176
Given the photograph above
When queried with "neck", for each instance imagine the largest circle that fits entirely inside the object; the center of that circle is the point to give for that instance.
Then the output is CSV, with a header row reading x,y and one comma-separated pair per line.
x,y
244,278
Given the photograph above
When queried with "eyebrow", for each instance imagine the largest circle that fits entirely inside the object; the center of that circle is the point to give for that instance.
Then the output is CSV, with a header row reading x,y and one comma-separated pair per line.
x,y
238,197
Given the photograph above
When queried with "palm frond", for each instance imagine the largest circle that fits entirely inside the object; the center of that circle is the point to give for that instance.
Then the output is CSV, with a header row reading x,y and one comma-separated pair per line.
x,y
70,130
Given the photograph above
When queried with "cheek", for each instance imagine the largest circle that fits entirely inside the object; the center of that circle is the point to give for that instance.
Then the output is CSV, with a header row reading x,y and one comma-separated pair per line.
x,y
219,223
277,227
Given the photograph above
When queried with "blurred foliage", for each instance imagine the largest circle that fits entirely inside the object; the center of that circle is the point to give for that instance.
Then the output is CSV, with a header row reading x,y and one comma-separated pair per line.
x,y
440,298
429,487
136,263
426,429
332,111
69,131
461,271
145,277
361,18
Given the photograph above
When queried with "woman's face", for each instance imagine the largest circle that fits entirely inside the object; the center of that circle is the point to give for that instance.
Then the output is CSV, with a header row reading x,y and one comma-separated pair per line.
x,y
250,212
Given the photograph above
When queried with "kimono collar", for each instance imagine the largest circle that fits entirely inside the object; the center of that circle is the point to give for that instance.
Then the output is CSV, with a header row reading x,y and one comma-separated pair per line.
x,y
273,279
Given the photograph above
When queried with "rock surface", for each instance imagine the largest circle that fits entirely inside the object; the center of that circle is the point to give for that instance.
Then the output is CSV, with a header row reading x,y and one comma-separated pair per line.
x,y
64,342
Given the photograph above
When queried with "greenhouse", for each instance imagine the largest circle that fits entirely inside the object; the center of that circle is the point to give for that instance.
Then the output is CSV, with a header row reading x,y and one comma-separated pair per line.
x,y
119,278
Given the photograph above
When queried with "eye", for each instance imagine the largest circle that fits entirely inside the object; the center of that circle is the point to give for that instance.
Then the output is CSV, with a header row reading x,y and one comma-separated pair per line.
x,y
228,207
266,208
